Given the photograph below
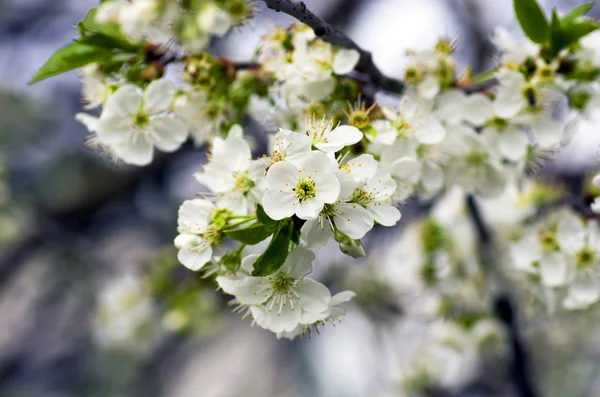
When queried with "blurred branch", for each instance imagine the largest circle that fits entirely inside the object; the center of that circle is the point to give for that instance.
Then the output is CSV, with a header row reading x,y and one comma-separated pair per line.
x,y
331,35
504,308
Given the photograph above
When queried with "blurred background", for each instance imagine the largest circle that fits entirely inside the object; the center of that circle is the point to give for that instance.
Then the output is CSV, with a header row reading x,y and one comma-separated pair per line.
x,y
78,234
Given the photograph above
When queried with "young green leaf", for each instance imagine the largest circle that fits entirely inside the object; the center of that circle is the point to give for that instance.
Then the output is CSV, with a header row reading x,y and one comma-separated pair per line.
x,y
107,29
70,57
252,234
275,254
575,31
532,20
576,12
263,217
557,38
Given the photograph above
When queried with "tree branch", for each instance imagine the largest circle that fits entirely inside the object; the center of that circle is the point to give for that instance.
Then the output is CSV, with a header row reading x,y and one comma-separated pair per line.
x,y
331,35
504,309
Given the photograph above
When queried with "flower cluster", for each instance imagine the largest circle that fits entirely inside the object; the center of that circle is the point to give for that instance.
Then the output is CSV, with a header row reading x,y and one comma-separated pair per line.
x,y
192,23
562,253
339,163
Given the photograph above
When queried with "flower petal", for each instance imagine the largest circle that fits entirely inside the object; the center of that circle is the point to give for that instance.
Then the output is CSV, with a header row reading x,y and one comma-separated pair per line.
x,y
353,220
316,233
345,61
279,205
314,296
137,151
554,269
158,96
170,132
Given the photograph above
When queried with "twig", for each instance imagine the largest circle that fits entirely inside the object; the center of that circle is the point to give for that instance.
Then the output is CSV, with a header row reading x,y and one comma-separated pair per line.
x,y
504,309
331,35
486,85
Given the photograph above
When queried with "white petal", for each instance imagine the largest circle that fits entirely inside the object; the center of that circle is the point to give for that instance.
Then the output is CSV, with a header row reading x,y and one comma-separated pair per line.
x,y
309,209
512,144
384,214
432,178
125,101
478,109
282,175
316,234
248,262
89,121
298,263
327,188
430,133
194,255
508,103
570,233
340,137
386,133
251,290
585,291
405,168
342,297
137,151
353,220
548,133
554,269
314,296
429,87
114,129
279,205
595,206
193,215
362,167
345,61
596,180
158,96
170,132
284,320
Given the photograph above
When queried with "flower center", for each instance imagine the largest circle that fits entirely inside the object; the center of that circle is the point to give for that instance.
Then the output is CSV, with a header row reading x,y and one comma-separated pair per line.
x,y
411,75
548,241
140,119
584,258
361,197
305,189
243,183
281,283
475,158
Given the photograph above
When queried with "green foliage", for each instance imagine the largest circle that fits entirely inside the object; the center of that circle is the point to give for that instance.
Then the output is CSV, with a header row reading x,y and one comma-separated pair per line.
x,y
576,12
72,56
276,253
252,234
567,31
532,20
263,218
97,43
559,33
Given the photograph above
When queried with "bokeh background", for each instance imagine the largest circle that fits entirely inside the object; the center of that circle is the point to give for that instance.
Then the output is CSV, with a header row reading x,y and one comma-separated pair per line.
x,y
73,226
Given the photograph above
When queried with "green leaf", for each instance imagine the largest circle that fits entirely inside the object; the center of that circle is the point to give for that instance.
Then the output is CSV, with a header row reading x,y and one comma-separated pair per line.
x,y
575,31
252,234
576,12
276,253
107,29
263,218
532,20
108,42
70,57
557,39
484,76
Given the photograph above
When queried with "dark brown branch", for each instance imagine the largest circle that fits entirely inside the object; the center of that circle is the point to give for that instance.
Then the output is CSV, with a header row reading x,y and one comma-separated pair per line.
x,y
504,308
486,85
331,35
